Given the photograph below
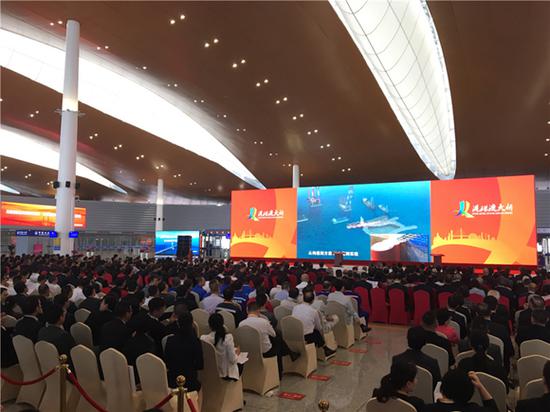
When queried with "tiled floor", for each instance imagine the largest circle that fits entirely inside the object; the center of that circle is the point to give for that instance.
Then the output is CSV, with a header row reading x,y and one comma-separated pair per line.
x,y
349,387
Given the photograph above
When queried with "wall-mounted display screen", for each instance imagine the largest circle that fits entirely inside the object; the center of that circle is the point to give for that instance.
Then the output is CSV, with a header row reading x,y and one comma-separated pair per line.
x,y
166,241
476,221
29,215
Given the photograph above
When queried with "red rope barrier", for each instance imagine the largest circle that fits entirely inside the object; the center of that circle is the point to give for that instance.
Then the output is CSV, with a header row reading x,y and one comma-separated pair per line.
x,y
72,378
41,378
164,401
190,403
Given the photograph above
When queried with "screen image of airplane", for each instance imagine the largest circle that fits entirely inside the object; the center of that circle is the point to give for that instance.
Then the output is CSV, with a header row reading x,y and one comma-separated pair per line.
x,y
166,242
385,221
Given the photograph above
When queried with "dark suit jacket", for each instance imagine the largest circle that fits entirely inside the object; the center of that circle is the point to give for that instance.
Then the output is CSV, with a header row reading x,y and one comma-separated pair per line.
x,y
58,337
184,355
152,327
28,327
8,355
493,351
486,365
488,406
461,320
541,404
92,304
96,320
422,360
501,331
528,333
114,334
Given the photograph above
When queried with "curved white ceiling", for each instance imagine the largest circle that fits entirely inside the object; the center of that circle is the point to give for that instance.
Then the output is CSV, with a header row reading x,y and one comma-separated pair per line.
x,y
117,93
399,42
30,148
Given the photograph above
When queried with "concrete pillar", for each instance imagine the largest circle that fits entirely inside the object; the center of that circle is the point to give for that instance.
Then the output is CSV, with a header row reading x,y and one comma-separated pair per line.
x,y
66,176
295,176
159,219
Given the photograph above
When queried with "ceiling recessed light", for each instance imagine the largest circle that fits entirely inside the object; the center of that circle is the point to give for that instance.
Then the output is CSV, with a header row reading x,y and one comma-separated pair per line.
x,y
238,130
333,159
266,81
546,154
206,45
115,147
142,156
315,131
322,147
261,142
255,142
234,65
52,23
258,84
98,48
277,101
271,154
144,67
182,16
91,137
59,22
106,47
224,116
343,170
215,41
37,111
349,169
244,130
328,144
339,157
301,115
31,115
95,135
285,99
119,145
195,100
172,21
309,132
548,139
243,61
175,85
294,117
202,101
137,157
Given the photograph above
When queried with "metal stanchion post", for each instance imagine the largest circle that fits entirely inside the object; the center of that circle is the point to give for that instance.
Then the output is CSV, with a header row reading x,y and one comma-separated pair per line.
x,y
63,383
323,405
180,380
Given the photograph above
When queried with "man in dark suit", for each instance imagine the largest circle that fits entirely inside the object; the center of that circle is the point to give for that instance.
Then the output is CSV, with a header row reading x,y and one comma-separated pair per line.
x,y
429,324
152,325
55,333
8,356
541,404
537,329
535,302
29,324
416,339
500,331
91,302
115,333
20,296
96,320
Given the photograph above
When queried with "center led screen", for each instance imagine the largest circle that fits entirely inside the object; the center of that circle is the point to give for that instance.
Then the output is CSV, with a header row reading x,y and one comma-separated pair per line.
x,y
474,221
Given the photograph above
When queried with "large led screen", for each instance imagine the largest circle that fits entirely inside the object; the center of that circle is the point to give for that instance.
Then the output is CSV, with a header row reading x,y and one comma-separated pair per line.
x,y
263,223
29,215
386,221
166,242
468,221
487,220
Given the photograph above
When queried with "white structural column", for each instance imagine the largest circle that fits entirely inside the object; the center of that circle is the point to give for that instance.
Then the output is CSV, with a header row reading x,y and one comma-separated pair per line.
x,y
295,176
66,176
159,219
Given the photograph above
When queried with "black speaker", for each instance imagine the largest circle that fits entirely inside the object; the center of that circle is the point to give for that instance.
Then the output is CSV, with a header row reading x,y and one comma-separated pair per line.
x,y
184,246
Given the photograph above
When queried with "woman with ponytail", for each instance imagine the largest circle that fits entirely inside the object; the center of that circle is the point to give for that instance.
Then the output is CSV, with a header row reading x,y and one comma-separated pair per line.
x,y
226,353
399,383
481,362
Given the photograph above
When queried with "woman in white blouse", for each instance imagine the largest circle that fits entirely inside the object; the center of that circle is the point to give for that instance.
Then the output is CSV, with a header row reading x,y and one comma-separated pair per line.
x,y
226,353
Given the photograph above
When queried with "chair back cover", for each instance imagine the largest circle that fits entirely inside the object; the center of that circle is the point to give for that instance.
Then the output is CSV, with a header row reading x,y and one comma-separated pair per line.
x,y
392,405
82,334
81,315
439,354
424,386
85,365
30,368
535,347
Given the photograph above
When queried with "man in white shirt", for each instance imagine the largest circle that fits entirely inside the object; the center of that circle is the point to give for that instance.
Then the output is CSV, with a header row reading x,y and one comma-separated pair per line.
x,y
339,297
311,319
271,343
210,302
78,293
292,299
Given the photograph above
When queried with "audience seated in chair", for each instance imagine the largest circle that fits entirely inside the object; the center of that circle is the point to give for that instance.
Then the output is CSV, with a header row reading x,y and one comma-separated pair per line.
x,y
115,333
538,328
541,404
292,300
29,324
443,319
399,383
479,324
210,302
429,324
351,315
106,313
183,354
480,362
311,319
55,334
500,331
230,306
416,339
457,388
226,352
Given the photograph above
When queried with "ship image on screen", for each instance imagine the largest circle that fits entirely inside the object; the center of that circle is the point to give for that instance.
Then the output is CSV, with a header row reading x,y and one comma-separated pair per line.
x,y
355,219
484,221
263,223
